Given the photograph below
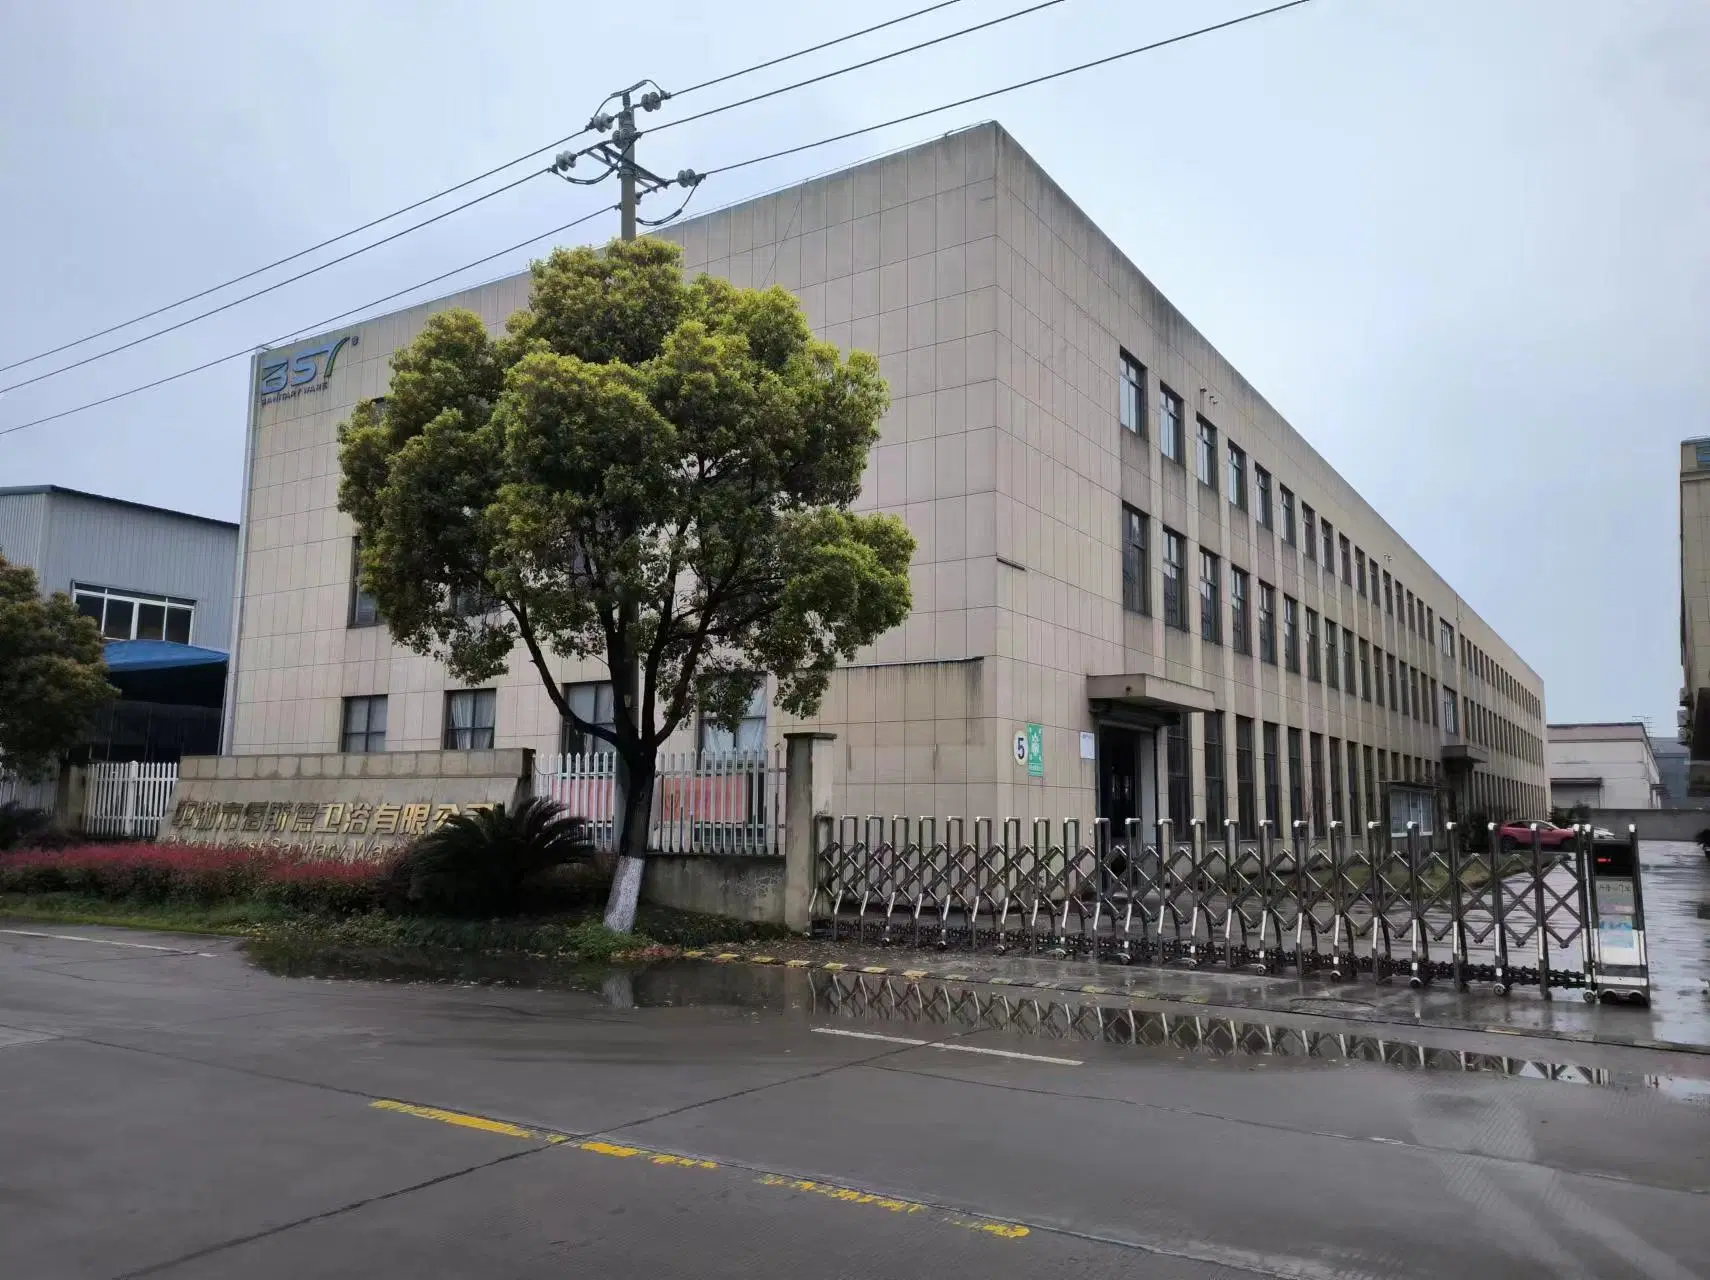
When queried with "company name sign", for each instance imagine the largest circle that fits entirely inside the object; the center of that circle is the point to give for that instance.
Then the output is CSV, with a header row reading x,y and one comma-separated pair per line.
x,y
301,374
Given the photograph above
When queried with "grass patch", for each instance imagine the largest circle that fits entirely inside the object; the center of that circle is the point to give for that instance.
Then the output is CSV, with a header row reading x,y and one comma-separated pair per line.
x,y
226,918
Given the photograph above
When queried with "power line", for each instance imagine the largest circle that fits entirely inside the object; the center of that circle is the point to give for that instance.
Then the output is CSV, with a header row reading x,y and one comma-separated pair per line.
x,y
317,326
741,164
1021,84
857,66
279,284
467,182
815,48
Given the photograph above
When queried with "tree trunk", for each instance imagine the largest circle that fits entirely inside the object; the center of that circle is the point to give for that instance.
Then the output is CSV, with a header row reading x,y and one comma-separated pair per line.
x,y
634,810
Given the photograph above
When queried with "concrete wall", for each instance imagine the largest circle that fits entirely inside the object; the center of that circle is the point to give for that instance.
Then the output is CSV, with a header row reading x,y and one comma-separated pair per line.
x,y
741,888
1654,824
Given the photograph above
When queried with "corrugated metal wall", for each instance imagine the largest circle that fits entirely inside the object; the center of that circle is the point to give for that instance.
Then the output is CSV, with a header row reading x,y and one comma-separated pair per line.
x,y
23,516
154,552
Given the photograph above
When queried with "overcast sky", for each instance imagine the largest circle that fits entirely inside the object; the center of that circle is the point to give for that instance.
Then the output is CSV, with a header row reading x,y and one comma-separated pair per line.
x,y
1460,244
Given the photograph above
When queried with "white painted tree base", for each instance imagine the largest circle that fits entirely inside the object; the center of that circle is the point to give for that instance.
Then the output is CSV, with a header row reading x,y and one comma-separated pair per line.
x,y
626,893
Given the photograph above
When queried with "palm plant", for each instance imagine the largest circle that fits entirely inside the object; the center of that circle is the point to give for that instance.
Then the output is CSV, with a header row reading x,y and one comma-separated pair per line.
x,y
482,863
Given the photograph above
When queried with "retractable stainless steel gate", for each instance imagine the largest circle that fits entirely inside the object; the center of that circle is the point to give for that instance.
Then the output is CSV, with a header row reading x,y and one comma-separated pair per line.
x,y
1380,906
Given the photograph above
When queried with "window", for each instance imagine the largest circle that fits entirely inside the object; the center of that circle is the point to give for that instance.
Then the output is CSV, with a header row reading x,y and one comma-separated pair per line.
x,y
1431,699
1287,501
750,732
1296,779
1246,797
1240,624
1409,692
364,609
1430,622
469,719
1313,664
1291,633
364,726
1180,779
1317,744
1402,705
1238,476
1365,671
1410,625
1347,659
1394,696
1383,768
132,615
1267,623
1388,594
1131,396
1136,567
1336,809
1273,780
1308,531
591,701
1377,663
1353,789
1262,484
1347,560
1360,567
1371,787
1329,535
1216,794
1205,455
1170,423
1175,606
1210,598
1416,685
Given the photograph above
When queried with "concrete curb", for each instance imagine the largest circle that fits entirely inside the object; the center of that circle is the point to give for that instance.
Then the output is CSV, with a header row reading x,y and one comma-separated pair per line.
x,y
1199,1001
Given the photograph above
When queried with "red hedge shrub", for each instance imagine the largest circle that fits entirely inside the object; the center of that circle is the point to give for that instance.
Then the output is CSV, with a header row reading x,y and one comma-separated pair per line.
x,y
196,873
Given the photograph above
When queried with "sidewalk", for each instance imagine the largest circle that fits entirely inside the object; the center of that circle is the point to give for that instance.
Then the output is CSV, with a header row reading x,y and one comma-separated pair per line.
x,y
1677,906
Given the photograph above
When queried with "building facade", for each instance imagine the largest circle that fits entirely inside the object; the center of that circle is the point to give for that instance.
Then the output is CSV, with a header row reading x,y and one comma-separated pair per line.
x,y
160,586
1671,756
1695,610
1137,590
1603,766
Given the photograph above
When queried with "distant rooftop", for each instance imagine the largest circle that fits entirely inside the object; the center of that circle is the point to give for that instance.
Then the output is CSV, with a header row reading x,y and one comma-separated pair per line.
x,y
29,489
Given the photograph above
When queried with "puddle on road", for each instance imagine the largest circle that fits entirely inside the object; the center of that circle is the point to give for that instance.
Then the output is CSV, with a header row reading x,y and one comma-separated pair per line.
x,y
932,1010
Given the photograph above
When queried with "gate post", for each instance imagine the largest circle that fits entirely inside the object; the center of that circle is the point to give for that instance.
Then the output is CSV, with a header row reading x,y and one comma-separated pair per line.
x,y
807,793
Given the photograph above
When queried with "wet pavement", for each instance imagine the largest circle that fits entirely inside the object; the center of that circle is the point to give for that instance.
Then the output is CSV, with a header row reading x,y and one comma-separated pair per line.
x,y
1677,906
168,1109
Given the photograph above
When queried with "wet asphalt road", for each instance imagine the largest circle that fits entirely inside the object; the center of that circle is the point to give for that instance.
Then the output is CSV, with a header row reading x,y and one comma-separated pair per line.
x,y
177,1113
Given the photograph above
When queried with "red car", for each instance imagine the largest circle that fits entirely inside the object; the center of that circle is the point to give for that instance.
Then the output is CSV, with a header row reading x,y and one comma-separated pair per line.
x,y
1518,835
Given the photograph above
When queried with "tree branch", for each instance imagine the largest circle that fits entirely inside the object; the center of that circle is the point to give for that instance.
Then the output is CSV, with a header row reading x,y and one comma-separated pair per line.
x,y
519,611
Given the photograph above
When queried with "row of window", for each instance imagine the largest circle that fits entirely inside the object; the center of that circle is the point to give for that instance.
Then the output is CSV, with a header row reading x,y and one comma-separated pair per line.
x,y
1330,654
1482,666
132,615
471,715
1301,527
1329,780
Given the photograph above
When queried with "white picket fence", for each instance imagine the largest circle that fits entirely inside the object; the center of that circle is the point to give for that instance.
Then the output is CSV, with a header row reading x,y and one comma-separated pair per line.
x,y
29,795
128,799
703,801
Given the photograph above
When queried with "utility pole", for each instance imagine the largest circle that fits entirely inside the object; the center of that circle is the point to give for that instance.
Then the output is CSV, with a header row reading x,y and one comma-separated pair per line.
x,y
634,182
618,154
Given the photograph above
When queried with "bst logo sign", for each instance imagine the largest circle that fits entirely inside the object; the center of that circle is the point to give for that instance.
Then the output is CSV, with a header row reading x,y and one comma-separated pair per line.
x,y
306,372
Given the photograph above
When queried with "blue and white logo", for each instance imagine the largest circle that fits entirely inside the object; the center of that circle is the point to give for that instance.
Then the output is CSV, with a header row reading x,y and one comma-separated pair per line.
x,y
305,372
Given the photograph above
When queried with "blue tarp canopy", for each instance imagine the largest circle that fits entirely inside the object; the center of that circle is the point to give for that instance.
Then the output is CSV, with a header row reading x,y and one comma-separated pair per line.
x,y
158,655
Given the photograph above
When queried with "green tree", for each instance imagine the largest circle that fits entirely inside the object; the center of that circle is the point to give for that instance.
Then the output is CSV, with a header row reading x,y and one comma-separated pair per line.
x,y
52,676
645,469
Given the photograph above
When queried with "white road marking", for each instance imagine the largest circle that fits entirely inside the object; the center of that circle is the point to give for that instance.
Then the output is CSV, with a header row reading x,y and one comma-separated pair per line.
x,y
107,942
949,1048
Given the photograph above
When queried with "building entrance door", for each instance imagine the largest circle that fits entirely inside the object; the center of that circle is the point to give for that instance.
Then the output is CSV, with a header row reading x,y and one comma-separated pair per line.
x,y
1119,778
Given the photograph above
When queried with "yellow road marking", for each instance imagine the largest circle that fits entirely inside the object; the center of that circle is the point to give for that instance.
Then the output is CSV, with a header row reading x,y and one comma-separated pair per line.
x,y
892,1204
623,1151
875,968
459,1118
762,959
797,964
727,955
915,975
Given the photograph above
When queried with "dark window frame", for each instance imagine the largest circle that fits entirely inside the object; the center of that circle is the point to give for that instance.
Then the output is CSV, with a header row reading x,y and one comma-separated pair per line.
x,y
1136,561
372,740
1240,609
1267,623
1246,782
1175,595
480,737
1131,394
1210,597
1170,426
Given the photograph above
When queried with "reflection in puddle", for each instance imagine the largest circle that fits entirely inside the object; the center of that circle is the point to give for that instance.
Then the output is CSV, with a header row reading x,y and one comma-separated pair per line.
x,y
928,1006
